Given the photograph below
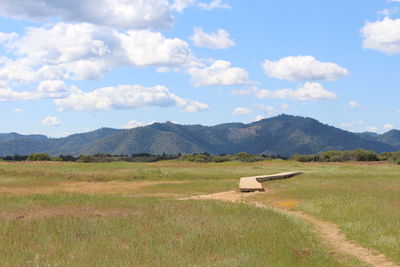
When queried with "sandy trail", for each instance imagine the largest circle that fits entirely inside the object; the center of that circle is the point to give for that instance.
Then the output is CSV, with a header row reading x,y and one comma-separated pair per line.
x,y
84,187
329,232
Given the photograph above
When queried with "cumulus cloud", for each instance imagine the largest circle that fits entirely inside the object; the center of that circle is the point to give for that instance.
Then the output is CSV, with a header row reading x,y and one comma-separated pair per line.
x,y
180,5
8,94
371,129
309,91
135,124
269,110
121,14
54,89
285,107
389,11
85,51
7,37
219,73
46,89
389,126
303,68
350,124
194,106
216,40
51,121
127,97
241,111
383,35
259,117
214,4
354,104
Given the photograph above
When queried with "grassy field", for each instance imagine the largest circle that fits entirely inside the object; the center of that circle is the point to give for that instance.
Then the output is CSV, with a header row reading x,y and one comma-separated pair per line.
x,y
75,214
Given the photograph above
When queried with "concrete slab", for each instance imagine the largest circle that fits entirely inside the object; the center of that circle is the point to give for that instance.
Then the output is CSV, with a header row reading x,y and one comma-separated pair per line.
x,y
253,183
249,184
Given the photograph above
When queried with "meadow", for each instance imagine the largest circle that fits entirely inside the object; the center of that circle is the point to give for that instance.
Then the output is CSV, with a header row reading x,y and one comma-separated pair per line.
x,y
128,214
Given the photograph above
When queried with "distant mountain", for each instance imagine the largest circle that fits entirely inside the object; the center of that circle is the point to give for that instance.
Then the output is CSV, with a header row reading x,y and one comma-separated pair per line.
x,y
283,135
10,136
392,138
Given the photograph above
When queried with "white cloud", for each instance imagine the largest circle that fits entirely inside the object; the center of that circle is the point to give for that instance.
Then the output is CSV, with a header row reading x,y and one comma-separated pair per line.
x,y
122,14
259,117
241,111
127,97
309,91
285,107
269,110
371,129
354,104
219,73
398,111
213,5
46,89
180,5
303,68
383,35
389,126
7,37
85,51
7,94
194,106
51,121
54,89
216,40
389,11
350,124
134,124
17,110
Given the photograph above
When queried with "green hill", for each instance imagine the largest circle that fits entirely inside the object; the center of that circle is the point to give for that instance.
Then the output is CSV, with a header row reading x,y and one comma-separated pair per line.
x,y
283,135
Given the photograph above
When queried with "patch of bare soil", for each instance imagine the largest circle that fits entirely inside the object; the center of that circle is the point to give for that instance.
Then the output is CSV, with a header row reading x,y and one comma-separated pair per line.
x,y
83,187
329,232
72,211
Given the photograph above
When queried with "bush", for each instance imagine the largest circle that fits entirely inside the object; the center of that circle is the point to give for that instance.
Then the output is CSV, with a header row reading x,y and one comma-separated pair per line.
x,y
341,156
391,156
86,159
304,158
331,156
39,157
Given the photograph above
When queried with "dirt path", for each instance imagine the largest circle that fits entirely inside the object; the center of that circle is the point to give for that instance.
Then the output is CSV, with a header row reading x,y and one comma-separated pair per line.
x,y
84,187
328,231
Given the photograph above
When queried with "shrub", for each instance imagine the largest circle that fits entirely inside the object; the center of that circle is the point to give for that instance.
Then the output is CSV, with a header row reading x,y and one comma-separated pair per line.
x,y
86,159
39,157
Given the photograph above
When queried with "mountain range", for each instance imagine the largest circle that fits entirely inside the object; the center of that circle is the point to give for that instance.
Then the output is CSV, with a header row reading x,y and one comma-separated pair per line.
x,y
281,135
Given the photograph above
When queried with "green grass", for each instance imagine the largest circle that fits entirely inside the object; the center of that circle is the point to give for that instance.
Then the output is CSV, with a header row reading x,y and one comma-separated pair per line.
x,y
362,199
148,227
19,174
158,233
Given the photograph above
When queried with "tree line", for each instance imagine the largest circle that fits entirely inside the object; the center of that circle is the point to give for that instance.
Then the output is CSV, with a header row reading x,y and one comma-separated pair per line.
x,y
327,156
348,155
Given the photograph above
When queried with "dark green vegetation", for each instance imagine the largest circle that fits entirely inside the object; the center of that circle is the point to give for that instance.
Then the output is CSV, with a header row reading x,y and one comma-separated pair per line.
x,y
282,135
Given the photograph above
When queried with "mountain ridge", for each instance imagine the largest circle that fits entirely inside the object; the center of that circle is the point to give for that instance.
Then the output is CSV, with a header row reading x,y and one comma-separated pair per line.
x,y
283,135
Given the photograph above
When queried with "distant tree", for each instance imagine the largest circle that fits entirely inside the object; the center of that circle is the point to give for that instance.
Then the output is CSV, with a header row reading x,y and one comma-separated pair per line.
x,y
86,159
19,158
67,158
39,157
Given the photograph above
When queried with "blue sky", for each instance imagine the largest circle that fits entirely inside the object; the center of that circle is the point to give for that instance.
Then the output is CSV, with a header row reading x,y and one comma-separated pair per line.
x,y
74,66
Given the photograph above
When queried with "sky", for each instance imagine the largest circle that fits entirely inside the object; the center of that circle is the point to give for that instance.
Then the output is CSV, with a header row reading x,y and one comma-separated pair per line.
x,y
75,66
